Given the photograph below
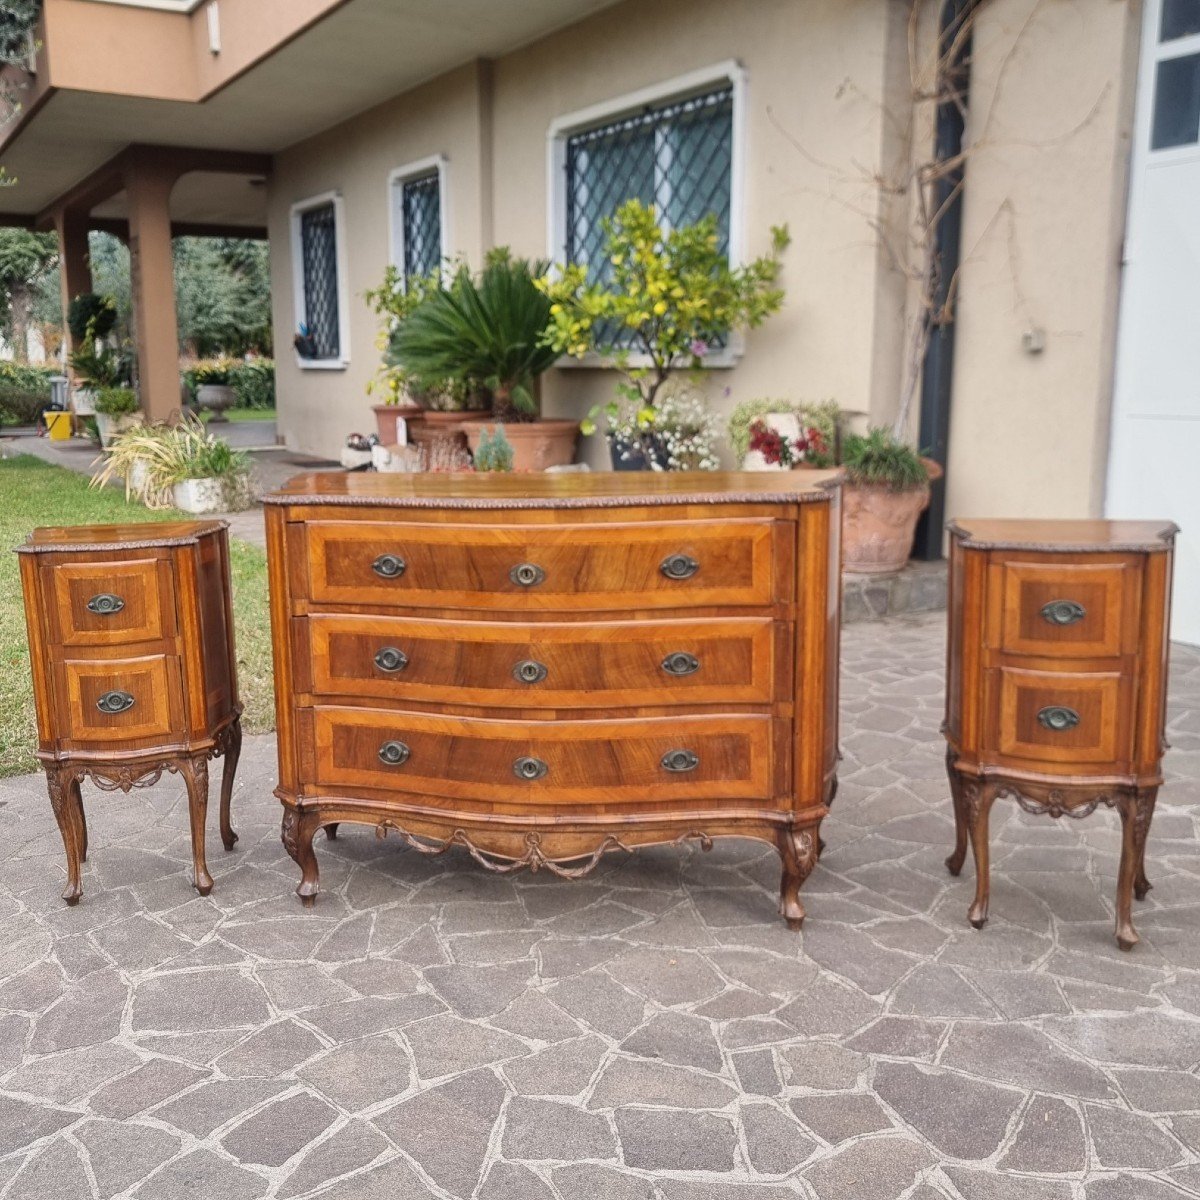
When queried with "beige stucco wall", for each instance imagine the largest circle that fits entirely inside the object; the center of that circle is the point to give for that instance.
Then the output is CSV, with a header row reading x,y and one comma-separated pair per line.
x,y
1051,113
815,130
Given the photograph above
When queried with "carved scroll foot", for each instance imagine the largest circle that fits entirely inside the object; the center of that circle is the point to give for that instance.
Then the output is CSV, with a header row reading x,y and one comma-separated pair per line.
x,y
331,831
977,805
1137,808
63,786
195,774
233,751
954,864
798,850
297,835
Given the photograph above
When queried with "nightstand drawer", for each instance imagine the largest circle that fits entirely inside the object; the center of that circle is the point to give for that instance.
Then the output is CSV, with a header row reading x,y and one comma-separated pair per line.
x,y
1061,718
598,763
546,665
122,699
531,568
1066,610
110,603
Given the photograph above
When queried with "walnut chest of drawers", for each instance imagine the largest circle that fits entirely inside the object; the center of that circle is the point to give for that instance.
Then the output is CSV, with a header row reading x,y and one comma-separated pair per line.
x,y
131,646
1056,681
543,668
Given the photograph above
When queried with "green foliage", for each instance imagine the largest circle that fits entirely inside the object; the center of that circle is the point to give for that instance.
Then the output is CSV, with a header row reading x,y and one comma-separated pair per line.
x,y
100,366
17,19
116,401
879,459
821,415
25,259
222,296
487,331
495,452
254,382
673,291
24,392
213,458
213,372
91,315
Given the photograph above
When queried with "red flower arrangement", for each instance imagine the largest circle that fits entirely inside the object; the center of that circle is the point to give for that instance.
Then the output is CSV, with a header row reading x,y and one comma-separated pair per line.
x,y
778,450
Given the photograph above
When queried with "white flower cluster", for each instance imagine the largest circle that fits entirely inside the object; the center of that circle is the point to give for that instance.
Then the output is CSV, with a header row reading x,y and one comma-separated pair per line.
x,y
687,430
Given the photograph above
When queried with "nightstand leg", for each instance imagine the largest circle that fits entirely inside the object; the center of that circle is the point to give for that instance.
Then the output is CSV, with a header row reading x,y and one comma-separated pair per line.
x,y
233,751
954,863
977,803
1141,885
63,786
331,830
1136,810
798,850
195,774
83,835
297,835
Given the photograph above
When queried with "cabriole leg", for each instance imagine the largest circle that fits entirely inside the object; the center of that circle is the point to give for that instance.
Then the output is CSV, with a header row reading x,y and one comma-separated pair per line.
x,y
798,850
233,751
954,863
331,830
297,835
195,774
977,803
63,786
1141,885
1136,811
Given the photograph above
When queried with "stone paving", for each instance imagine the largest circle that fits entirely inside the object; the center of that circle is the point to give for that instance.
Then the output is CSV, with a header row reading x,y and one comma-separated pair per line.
x,y
651,1033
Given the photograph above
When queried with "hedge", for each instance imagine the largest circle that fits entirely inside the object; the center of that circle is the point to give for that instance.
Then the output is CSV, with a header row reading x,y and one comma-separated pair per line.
x,y
24,392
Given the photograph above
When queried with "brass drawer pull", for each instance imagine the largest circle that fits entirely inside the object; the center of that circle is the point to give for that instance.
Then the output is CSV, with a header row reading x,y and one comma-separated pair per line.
x,y
115,702
681,663
680,760
105,604
393,754
388,658
529,671
679,566
529,768
1063,612
527,574
389,566
1058,718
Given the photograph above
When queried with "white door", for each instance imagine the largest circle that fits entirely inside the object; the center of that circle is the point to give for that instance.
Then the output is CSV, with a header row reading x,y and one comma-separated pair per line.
x,y
1154,461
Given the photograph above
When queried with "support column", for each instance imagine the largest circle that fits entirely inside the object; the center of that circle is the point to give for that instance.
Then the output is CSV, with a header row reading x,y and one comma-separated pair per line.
x,y
74,269
152,276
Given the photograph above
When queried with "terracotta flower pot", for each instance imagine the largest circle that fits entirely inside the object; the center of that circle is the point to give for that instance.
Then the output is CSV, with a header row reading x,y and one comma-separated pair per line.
x,y
385,421
536,444
878,525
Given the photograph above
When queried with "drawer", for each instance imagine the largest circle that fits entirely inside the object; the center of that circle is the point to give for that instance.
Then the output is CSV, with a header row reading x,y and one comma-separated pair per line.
x,y
547,665
1064,610
122,699
601,567
108,603
597,763
1080,718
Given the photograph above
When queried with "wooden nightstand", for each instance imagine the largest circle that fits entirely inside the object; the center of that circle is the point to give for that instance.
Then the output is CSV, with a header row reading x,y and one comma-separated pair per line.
x,y
134,674
1056,681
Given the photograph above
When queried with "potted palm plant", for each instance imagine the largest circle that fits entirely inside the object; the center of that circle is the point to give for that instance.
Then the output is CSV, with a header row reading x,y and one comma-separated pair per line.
x,y
490,331
91,317
116,411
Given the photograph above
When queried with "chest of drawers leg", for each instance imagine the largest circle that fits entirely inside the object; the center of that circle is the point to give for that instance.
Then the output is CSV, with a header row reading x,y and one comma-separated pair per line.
x,y
131,645
539,672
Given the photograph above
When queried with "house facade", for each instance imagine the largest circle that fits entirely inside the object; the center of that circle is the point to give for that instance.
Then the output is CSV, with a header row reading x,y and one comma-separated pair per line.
x,y
360,133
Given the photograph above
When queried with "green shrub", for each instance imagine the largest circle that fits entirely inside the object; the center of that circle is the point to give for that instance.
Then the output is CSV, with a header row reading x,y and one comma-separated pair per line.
x,y
24,392
91,315
254,383
116,401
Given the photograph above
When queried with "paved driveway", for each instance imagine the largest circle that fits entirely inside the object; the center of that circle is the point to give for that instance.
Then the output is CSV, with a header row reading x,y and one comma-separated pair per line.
x,y
430,1030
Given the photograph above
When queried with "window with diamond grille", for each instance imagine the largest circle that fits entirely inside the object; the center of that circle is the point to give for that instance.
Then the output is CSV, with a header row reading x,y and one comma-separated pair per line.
x,y
676,156
421,217
318,247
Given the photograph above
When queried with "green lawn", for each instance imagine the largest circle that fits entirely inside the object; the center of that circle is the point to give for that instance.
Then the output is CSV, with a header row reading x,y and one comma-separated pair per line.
x,y
34,493
247,414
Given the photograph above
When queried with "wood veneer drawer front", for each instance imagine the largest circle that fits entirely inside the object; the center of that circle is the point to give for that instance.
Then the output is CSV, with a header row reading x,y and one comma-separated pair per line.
x,y
110,603
1063,610
669,564
119,700
546,665
544,764
1077,718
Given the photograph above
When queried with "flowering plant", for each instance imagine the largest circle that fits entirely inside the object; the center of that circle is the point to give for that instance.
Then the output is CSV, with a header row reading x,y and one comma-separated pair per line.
x,y
666,296
778,450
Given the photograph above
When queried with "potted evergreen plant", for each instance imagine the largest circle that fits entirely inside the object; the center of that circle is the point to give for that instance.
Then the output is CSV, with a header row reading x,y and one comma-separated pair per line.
x,y
667,300
490,331
116,411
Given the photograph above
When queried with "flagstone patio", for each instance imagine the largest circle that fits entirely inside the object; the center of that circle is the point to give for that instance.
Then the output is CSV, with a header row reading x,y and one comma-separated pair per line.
x,y
651,1033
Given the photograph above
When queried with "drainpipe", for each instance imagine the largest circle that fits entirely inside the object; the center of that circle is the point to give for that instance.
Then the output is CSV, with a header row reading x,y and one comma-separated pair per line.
x,y
937,372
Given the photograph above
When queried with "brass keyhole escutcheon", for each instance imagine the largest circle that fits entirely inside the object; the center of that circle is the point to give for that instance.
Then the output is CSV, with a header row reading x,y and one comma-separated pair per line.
x,y
679,566
529,671
527,574
393,754
1063,612
681,663
529,768
1058,718
389,658
389,566
680,760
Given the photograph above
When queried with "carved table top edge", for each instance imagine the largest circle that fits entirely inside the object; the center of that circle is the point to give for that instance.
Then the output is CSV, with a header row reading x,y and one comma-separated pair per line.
x,y
87,538
1051,536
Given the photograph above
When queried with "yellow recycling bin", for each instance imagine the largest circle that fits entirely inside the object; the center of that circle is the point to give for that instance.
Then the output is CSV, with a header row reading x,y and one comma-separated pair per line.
x,y
58,425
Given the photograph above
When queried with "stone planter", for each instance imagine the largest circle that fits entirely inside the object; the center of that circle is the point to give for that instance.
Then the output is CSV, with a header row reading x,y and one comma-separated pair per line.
x,y
215,398
200,495
83,401
878,525
109,426
536,444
